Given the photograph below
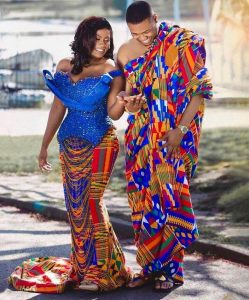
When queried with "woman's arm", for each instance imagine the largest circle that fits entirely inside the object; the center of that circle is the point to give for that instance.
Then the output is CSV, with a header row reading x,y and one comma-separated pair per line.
x,y
115,104
56,115
55,118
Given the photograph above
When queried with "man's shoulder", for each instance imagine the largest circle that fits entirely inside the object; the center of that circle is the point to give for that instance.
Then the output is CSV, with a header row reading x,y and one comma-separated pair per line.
x,y
183,36
189,34
124,52
126,47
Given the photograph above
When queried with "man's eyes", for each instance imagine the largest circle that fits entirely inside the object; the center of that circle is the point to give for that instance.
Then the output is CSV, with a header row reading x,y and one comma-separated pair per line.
x,y
138,34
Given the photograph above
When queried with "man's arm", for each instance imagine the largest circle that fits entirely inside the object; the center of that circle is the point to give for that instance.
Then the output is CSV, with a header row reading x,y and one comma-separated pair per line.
x,y
132,103
172,138
122,60
191,110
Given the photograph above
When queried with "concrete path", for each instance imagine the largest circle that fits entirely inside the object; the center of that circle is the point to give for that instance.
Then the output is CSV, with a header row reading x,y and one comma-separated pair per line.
x,y
23,236
33,193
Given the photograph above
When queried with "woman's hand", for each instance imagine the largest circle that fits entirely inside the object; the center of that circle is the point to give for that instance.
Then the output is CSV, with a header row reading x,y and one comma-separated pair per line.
x,y
44,165
172,140
121,96
132,103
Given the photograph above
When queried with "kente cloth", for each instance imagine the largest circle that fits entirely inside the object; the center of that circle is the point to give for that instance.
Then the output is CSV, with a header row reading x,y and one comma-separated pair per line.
x,y
88,150
169,74
96,254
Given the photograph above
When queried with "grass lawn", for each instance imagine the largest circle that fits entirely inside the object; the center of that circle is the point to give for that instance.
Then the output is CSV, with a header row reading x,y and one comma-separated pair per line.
x,y
225,149
19,154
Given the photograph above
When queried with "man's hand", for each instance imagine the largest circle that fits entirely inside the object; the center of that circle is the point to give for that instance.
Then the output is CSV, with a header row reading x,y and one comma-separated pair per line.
x,y
172,140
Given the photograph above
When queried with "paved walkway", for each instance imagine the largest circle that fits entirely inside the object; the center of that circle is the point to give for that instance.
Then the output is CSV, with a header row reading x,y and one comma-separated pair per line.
x,y
33,193
26,236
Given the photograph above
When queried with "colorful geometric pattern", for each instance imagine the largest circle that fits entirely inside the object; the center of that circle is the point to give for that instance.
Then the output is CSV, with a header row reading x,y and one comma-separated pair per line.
x,y
96,254
42,275
169,74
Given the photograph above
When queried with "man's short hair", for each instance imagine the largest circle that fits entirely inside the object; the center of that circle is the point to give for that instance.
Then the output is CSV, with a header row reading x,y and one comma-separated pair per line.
x,y
138,11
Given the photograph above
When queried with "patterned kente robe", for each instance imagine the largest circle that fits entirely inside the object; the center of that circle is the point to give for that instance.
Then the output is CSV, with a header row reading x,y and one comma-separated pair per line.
x,y
169,74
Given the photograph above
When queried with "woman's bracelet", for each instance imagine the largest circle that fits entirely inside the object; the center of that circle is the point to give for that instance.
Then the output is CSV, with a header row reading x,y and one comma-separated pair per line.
x,y
131,112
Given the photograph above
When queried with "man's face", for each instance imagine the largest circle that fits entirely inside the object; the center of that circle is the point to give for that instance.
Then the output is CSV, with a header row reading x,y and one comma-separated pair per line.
x,y
144,32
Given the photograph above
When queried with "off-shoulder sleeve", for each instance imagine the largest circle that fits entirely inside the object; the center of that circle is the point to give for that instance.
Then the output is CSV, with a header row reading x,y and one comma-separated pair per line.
x,y
55,86
193,70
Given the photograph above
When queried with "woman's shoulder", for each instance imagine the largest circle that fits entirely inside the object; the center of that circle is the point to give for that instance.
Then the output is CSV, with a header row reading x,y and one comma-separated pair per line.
x,y
110,66
64,65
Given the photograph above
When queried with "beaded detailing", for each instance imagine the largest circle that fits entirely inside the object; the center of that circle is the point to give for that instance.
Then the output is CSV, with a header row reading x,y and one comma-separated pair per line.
x,y
90,126
86,101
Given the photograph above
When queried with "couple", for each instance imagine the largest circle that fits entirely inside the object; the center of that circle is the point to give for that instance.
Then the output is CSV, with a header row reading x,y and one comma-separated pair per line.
x,y
166,82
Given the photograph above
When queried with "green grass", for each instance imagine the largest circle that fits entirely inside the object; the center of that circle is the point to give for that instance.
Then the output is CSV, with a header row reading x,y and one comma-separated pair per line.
x,y
19,154
235,203
221,148
224,146
225,149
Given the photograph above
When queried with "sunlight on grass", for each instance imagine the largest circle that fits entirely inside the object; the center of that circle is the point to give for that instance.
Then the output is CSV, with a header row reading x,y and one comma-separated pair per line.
x,y
236,203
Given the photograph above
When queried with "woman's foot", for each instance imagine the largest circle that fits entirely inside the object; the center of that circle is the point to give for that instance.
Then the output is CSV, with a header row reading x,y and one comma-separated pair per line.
x,y
163,284
137,280
87,285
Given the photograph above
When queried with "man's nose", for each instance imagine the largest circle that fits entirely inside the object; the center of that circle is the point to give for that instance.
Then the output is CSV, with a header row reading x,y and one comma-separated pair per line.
x,y
143,37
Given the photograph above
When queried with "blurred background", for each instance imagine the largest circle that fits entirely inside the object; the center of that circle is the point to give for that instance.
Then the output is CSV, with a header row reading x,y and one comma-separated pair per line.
x,y
36,34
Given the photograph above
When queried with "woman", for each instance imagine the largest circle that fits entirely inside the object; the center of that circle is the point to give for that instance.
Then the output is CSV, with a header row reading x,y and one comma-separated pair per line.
x,y
86,86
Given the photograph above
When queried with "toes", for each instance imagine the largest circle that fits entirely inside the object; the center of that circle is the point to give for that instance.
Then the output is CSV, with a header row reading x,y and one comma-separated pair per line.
x,y
163,283
166,285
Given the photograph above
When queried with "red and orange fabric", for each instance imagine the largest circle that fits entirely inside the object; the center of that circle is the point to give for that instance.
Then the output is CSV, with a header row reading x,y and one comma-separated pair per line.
x,y
169,74
96,254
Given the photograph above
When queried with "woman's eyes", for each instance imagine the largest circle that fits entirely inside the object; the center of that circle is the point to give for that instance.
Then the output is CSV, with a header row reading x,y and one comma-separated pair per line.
x,y
105,40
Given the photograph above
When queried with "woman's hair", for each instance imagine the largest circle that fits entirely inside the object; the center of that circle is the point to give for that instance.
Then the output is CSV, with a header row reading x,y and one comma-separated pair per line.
x,y
138,11
84,42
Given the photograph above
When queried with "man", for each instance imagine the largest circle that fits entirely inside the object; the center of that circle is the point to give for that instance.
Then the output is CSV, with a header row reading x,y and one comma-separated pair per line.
x,y
164,64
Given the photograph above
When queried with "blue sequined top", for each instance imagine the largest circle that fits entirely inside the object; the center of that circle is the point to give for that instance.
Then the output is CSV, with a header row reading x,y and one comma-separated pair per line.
x,y
86,101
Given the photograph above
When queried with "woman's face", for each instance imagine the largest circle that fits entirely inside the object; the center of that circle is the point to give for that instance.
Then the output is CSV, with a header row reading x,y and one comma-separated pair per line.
x,y
102,44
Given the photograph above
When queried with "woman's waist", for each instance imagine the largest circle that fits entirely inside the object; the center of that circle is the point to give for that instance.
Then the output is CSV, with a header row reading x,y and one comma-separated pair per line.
x,y
96,116
91,131
86,121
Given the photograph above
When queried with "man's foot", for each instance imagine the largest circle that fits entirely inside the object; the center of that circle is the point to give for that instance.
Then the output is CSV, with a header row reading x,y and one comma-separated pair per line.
x,y
87,285
137,280
163,284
